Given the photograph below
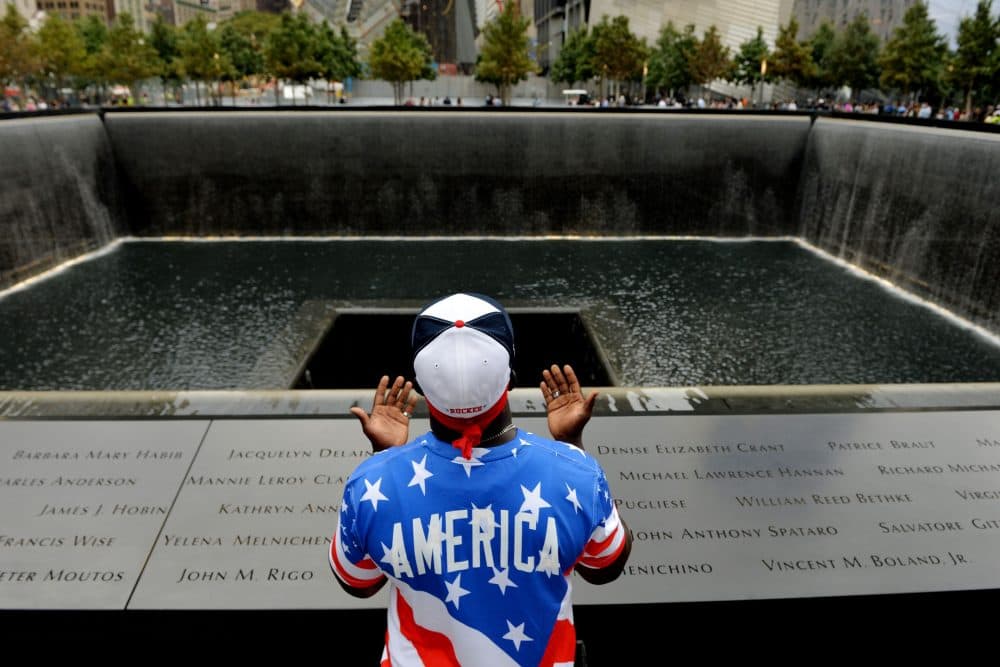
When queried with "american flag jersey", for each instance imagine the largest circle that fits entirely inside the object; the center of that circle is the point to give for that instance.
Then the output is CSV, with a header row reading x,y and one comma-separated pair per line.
x,y
478,552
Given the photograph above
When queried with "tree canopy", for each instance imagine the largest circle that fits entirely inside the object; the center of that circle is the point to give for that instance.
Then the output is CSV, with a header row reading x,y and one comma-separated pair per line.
x,y
18,53
853,57
126,57
576,59
618,54
975,67
748,64
400,56
792,60
912,61
504,58
710,59
669,58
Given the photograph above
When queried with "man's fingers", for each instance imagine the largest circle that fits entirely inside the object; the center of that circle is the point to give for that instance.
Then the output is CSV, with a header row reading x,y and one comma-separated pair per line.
x,y
380,390
574,384
362,416
560,380
588,405
546,392
411,403
404,394
392,398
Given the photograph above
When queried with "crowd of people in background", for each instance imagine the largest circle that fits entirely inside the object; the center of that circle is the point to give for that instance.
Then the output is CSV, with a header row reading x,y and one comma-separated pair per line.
x,y
897,109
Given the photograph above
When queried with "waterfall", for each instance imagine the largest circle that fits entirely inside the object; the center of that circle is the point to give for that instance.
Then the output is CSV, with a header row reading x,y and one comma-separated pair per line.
x,y
59,194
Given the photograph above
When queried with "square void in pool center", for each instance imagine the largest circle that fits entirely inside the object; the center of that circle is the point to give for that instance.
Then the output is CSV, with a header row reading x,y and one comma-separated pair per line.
x,y
361,345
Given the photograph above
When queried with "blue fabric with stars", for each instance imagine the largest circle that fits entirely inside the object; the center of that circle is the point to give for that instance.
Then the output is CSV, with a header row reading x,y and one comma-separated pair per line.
x,y
511,522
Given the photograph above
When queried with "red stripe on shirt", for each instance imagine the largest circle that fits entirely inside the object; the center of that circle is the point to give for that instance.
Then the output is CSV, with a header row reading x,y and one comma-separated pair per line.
x,y
434,648
594,548
562,644
353,582
604,561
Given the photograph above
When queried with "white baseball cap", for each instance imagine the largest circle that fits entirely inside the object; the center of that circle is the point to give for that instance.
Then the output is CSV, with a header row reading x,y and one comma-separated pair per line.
x,y
463,346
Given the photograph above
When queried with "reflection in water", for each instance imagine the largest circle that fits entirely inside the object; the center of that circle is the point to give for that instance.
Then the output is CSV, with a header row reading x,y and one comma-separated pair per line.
x,y
200,315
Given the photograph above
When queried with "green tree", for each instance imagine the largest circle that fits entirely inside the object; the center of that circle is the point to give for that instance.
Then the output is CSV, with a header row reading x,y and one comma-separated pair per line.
x,y
853,57
618,54
126,57
18,49
913,60
202,59
400,56
94,34
504,58
668,62
292,51
792,60
576,59
976,63
247,51
62,53
338,55
748,64
820,47
246,61
163,38
710,59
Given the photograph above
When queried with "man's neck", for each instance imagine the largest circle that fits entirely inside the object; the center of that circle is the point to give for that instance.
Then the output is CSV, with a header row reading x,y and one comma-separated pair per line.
x,y
497,432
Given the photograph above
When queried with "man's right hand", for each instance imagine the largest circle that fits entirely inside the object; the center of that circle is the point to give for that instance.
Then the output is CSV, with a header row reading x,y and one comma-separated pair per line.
x,y
568,410
388,425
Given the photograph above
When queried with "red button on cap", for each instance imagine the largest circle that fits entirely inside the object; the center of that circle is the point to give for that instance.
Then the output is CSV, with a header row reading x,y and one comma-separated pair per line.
x,y
459,324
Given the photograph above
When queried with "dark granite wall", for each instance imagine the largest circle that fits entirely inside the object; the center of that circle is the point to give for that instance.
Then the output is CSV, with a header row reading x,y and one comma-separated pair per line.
x,y
915,205
457,173
57,192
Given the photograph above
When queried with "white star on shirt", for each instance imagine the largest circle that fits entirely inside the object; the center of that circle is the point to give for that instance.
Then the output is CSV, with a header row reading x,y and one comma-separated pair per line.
x,y
578,450
373,493
547,564
513,452
389,558
533,501
343,505
455,591
468,464
483,519
502,580
420,474
573,499
524,442
515,633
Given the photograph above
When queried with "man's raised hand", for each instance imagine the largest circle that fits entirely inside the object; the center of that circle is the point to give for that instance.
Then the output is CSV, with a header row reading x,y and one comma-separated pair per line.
x,y
568,410
388,425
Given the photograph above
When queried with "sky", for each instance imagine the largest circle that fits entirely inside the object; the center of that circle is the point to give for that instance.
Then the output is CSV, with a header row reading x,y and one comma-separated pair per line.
x,y
947,14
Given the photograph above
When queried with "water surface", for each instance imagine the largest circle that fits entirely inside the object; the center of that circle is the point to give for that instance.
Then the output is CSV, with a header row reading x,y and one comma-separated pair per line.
x,y
207,315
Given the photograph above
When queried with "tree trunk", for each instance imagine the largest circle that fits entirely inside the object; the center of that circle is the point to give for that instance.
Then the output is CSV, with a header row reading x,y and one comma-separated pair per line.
x,y
277,98
197,93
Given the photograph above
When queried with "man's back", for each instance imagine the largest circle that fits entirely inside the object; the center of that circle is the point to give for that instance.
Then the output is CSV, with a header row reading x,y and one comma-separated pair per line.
x,y
479,551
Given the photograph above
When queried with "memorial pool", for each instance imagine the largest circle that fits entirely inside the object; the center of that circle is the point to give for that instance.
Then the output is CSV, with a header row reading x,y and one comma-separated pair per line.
x,y
227,314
